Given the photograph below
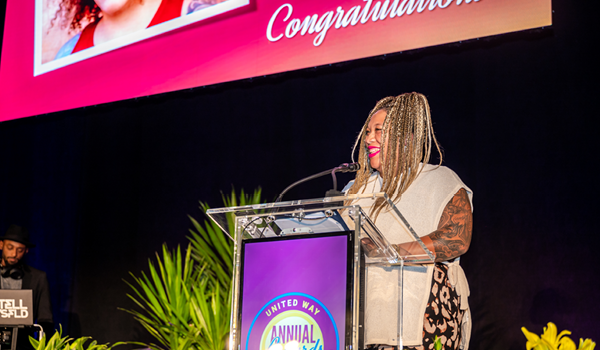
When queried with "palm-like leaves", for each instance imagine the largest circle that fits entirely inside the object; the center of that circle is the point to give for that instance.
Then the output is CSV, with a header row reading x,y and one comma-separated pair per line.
x,y
213,250
211,246
58,342
55,342
164,297
211,310
185,301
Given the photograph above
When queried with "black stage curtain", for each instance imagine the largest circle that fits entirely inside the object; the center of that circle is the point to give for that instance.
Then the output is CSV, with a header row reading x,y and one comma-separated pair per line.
x,y
102,187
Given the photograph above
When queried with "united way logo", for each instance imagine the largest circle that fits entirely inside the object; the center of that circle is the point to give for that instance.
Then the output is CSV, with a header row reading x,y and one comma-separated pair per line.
x,y
293,321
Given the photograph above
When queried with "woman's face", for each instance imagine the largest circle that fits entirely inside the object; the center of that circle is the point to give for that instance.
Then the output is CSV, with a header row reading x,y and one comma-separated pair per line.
x,y
112,7
373,138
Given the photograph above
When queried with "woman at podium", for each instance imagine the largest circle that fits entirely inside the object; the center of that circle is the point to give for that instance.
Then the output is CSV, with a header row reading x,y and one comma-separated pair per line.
x,y
394,146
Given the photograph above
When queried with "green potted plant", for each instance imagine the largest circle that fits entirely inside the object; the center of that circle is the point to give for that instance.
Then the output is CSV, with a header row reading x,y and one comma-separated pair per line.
x,y
58,342
185,300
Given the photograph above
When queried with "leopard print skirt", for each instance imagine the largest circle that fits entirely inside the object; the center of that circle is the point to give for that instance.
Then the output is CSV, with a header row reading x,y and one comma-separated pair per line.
x,y
443,315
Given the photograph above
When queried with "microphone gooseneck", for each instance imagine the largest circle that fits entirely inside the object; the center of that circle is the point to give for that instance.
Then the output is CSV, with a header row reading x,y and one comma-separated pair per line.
x,y
342,168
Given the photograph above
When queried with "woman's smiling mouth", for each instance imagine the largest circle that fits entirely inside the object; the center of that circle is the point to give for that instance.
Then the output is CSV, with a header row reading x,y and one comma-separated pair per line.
x,y
373,151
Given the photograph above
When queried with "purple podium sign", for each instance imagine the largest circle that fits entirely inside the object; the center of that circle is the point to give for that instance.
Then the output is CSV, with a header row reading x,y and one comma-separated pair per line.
x,y
294,292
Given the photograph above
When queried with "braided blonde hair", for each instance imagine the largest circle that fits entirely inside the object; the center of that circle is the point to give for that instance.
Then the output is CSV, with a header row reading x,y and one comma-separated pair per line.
x,y
406,142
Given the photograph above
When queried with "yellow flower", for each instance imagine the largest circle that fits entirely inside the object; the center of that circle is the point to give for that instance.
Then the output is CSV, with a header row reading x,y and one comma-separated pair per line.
x,y
549,340
557,342
587,344
533,340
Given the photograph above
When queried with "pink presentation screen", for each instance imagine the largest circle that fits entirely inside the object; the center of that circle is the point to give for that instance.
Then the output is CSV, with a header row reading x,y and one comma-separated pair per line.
x,y
64,54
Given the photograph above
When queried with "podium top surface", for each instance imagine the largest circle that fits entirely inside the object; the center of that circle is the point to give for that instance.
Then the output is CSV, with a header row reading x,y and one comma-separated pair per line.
x,y
224,217
313,202
302,217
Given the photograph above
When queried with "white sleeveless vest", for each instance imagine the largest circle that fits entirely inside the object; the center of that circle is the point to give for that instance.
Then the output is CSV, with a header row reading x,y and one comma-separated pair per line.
x,y
422,205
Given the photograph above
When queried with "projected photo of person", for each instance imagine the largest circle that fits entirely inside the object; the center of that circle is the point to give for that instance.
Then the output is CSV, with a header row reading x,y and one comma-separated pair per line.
x,y
68,27
110,19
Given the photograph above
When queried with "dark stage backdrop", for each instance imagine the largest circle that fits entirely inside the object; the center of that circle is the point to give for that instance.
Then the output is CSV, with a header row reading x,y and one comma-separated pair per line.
x,y
102,188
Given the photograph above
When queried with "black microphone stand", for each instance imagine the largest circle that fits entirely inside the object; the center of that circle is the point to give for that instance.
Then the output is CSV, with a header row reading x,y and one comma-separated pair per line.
x,y
342,168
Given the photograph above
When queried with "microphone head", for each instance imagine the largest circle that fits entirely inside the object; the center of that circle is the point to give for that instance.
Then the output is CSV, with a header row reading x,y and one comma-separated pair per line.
x,y
353,167
349,167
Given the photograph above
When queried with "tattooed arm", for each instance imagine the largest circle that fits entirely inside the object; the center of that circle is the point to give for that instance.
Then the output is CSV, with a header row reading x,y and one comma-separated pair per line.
x,y
453,236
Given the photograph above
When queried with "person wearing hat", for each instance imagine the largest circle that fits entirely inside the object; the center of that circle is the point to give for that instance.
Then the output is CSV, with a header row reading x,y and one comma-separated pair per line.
x,y
14,274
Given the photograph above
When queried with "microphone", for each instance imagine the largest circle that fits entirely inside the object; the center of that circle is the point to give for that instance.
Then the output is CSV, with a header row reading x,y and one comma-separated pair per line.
x,y
348,167
342,168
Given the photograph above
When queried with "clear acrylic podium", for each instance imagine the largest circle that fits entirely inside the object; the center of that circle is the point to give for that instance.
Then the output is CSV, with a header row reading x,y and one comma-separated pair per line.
x,y
284,220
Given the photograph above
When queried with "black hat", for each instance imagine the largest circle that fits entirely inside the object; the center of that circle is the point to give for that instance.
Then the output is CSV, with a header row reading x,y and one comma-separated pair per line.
x,y
18,234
